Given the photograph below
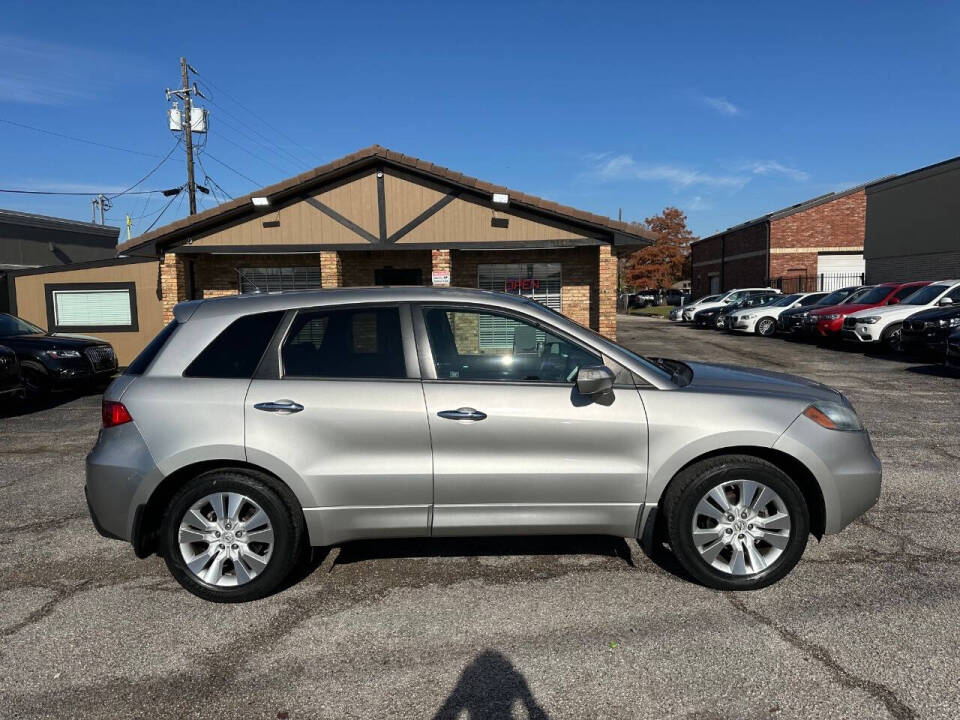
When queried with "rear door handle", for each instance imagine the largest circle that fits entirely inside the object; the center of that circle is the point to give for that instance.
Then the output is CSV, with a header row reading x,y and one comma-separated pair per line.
x,y
464,413
284,407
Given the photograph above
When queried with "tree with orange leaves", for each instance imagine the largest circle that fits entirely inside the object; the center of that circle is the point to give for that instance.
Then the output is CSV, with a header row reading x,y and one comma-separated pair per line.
x,y
666,261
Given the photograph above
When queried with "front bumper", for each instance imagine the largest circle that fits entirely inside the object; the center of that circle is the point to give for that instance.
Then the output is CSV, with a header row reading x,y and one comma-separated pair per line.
x,y
861,332
741,325
844,465
119,470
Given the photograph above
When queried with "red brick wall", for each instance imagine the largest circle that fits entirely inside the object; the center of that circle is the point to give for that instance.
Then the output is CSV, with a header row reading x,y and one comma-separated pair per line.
x,y
736,271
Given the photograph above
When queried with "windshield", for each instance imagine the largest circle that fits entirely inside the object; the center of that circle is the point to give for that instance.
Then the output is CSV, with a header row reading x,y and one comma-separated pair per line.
x,y
706,299
786,300
837,296
10,326
855,297
925,295
875,295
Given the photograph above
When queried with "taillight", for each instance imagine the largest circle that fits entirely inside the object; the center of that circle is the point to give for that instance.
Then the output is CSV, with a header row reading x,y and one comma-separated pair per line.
x,y
114,413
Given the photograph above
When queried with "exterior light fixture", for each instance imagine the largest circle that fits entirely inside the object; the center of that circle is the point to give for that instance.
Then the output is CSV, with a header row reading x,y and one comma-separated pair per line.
x,y
260,201
501,199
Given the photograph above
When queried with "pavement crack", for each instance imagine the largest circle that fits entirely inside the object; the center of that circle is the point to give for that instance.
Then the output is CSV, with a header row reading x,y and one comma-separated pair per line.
x,y
895,706
42,524
62,595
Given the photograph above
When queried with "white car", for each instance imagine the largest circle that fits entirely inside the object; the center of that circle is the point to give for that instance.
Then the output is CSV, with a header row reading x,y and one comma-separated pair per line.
x,y
727,298
680,314
883,324
763,320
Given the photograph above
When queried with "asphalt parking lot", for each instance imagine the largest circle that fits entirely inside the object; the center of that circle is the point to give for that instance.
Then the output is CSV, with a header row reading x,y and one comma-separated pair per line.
x,y
867,626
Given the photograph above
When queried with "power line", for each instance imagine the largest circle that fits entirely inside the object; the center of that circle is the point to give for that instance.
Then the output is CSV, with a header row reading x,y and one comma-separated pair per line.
x,y
213,183
77,139
64,192
155,168
233,170
225,93
251,153
165,207
252,139
299,162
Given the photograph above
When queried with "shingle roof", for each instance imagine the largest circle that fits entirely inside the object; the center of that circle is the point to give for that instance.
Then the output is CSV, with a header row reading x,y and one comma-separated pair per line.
x,y
179,229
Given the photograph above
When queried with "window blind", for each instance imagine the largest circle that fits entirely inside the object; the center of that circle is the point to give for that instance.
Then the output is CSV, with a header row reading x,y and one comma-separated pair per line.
x,y
78,308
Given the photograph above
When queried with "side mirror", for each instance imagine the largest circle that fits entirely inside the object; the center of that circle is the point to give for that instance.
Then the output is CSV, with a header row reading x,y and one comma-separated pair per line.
x,y
595,380
945,301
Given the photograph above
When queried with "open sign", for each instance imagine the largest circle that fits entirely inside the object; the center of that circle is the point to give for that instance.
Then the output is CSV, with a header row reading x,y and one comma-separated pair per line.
x,y
514,284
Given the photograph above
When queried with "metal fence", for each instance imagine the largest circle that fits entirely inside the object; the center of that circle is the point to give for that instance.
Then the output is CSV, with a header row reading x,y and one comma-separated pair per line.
x,y
823,282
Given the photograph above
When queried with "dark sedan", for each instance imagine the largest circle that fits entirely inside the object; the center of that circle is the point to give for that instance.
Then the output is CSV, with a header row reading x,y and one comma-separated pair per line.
x,y
10,385
928,330
794,320
51,362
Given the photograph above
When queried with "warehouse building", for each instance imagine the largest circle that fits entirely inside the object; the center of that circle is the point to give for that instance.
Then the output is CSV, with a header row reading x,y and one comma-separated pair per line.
x,y
814,245
30,241
375,217
913,225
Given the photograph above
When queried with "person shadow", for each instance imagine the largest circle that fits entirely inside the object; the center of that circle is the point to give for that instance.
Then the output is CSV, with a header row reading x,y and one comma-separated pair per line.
x,y
490,688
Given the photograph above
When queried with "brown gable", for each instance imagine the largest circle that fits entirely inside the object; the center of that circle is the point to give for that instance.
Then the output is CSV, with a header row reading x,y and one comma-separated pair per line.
x,y
179,231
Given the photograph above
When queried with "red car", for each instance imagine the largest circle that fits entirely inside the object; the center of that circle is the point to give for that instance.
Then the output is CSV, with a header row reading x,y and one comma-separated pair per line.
x,y
827,322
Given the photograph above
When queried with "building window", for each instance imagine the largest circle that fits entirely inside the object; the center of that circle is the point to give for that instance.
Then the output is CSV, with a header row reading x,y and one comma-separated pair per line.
x,y
92,307
275,279
538,281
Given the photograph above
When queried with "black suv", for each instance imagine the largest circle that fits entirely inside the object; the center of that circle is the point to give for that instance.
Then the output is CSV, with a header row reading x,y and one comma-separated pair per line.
x,y
928,330
56,362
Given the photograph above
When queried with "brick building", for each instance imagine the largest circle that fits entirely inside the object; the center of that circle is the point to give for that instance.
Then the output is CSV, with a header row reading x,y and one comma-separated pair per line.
x,y
817,244
375,217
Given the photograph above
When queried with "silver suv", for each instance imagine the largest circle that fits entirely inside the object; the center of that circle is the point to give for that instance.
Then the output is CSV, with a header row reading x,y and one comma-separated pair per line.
x,y
254,427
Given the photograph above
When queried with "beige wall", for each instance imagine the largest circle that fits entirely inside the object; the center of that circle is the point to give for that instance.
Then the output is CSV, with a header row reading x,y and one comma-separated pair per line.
x,y
32,303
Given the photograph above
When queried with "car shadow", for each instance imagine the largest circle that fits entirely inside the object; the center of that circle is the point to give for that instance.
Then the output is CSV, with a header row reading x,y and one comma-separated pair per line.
x,y
483,546
943,371
34,404
491,687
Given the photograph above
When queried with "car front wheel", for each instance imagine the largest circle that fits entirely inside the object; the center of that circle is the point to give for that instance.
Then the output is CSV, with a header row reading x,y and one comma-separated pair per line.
x,y
736,522
229,536
766,326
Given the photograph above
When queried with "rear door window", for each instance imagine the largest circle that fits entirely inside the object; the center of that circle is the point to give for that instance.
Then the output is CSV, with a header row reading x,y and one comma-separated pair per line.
x,y
236,352
355,343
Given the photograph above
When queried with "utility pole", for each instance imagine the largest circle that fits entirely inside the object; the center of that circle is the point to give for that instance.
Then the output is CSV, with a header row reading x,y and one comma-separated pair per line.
x,y
185,93
101,203
188,134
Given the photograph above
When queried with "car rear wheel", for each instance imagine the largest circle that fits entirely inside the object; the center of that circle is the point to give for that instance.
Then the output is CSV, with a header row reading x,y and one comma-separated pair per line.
x,y
766,326
736,522
229,536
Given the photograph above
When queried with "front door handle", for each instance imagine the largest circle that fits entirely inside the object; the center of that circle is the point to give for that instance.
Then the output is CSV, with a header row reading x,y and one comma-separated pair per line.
x,y
284,407
464,413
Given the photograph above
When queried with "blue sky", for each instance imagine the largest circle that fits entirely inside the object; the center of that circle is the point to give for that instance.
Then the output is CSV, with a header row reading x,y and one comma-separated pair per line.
x,y
726,110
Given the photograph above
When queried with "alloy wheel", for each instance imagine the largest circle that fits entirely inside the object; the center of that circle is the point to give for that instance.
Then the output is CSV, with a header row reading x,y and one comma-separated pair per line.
x,y
765,326
741,527
226,539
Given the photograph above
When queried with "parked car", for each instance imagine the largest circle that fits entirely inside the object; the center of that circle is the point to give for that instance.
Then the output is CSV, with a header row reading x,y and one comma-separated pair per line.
x,y
827,322
728,298
675,296
883,325
716,317
953,350
793,321
255,426
687,311
50,361
11,387
927,331
763,320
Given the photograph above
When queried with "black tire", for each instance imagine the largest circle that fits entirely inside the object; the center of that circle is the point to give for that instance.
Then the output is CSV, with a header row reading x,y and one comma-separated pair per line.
x,y
766,326
286,518
689,487
891,338
36,380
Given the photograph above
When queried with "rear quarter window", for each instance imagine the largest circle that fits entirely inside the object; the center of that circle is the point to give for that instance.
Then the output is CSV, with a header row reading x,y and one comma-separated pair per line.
x,y
236,351
142,361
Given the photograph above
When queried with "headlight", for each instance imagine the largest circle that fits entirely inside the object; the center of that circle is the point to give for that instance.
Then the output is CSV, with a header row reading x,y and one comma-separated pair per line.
x,y
62,354
832,316
869,320
748,317
834,416
952,322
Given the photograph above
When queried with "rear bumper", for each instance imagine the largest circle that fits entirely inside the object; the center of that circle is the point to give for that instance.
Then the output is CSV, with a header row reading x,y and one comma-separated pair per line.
x,y
116,468
844,465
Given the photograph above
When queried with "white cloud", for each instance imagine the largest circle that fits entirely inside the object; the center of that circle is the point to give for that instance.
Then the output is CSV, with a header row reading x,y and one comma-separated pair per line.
x,y
37,73
68,187
697,202
611,168
721,105
772,167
